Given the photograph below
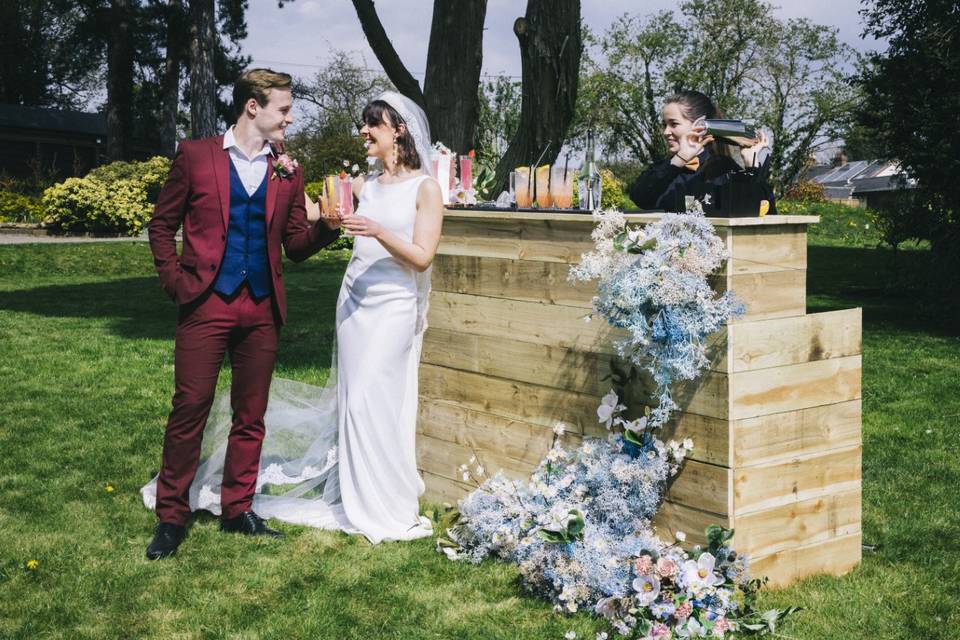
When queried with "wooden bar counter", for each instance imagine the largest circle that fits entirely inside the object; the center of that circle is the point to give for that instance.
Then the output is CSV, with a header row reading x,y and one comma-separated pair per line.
x,y
775,421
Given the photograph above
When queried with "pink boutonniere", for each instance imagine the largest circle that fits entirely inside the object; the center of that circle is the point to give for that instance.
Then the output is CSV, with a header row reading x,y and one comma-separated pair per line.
x,y
284,166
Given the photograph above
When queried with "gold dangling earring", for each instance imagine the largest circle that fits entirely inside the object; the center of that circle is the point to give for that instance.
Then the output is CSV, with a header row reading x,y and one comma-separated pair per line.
x,y
396,154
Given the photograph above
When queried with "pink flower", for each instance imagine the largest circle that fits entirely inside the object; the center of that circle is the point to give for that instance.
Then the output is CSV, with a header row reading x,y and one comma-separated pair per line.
x,y
284,166
720,626
643,565
683,611
660,630
666,567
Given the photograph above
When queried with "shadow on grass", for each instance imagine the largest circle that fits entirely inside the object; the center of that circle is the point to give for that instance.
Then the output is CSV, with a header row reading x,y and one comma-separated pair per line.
x,y
888,285
137,309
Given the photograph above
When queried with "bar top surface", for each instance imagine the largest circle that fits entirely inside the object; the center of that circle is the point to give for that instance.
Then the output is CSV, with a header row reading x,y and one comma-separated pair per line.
x,y
507,215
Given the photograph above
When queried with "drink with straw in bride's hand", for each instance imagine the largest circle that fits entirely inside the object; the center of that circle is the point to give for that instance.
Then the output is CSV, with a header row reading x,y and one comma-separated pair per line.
x,y
346,194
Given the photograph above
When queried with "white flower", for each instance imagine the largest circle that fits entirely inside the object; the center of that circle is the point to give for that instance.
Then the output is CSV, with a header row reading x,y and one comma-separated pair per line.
x,y
559,428
480,470
609,407
680,536
473,459
570,635
602,635
637,425
700,575
450,552
687,443
647,588
355,168
466,476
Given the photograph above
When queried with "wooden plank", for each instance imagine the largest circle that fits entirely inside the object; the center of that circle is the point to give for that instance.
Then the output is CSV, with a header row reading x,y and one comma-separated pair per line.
x,y
440,490
483,432
836,556
711,436
708,395
798,524
784,341
562,241
444,458
769,294
512,279
779,436
761,249
673,517
508,398
545,324
518,360
801,478
792,387
703,486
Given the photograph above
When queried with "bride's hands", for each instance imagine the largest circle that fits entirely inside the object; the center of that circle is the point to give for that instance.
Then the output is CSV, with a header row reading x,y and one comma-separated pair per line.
x,y
355,225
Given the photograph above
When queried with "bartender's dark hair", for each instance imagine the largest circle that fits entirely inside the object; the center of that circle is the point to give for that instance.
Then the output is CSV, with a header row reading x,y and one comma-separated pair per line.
x,y
693,105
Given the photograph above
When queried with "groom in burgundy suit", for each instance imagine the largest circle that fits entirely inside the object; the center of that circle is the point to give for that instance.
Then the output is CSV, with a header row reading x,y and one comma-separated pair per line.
x,y
238,202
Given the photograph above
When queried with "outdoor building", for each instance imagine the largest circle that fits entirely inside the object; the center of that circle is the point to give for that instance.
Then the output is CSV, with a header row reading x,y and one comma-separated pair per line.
x,y
866,183
56,144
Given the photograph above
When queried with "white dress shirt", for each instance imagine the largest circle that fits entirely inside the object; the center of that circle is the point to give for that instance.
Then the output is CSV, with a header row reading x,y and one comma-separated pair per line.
x,y
252,171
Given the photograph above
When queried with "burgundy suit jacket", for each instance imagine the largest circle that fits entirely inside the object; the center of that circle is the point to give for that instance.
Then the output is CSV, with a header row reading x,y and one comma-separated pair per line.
x,y
196,196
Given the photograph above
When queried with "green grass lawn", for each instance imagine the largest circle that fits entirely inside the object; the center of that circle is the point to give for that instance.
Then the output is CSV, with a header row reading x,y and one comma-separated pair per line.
x,y
87,364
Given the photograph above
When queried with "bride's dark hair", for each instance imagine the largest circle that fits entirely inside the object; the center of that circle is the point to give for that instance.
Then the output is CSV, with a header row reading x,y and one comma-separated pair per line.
x,y
373,115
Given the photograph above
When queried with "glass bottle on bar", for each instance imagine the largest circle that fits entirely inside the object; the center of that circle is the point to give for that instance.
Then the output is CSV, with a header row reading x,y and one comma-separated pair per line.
x,y
589,184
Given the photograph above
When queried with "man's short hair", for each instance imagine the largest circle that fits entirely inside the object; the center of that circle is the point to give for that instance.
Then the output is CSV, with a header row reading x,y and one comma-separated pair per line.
x,y
256,84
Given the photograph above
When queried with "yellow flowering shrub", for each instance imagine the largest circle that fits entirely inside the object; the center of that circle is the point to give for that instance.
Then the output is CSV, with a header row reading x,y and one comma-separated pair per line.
x,y
114,198
15,207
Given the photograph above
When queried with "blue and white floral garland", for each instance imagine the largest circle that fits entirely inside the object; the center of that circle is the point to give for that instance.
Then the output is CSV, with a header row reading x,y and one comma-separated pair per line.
x,y
580,530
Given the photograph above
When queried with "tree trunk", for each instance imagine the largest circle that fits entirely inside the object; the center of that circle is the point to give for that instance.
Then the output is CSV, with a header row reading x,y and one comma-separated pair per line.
x,y
170,87
119,81
392,65
454,59
550,48
203,86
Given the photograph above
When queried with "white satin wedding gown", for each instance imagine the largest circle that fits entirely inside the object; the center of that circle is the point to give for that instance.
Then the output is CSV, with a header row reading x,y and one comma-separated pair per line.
x,y
343,456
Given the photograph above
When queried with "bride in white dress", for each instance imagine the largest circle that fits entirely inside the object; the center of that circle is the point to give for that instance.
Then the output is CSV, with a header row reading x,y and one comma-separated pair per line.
x,y
343,456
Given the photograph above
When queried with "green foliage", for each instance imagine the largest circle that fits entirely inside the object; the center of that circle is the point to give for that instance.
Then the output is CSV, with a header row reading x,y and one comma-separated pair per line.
x,y
612,195
15,207
114,198
911,110
839,224
498,116
785,74
321,155
805,191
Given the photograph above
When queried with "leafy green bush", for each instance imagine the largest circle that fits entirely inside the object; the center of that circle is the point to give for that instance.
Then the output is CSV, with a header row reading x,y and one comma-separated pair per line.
x,y
114,198
806,191
15,207
612,196
839,223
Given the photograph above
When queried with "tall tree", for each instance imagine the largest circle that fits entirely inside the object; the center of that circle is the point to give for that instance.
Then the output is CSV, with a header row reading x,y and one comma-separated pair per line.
x,y
912,104
170,82
550,50
203,85
119,80
454,59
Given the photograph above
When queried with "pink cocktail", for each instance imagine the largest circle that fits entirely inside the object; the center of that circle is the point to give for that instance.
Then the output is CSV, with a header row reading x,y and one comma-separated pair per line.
x,y
346,195
466,172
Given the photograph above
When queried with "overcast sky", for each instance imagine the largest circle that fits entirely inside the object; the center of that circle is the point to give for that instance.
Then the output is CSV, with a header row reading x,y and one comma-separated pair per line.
x,y
297,39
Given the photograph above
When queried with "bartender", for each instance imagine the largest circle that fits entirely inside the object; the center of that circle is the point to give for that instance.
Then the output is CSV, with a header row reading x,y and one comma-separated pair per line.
x,y
698,164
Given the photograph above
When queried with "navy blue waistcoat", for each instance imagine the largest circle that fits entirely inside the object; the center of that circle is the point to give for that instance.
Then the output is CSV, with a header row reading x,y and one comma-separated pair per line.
x,y
245,257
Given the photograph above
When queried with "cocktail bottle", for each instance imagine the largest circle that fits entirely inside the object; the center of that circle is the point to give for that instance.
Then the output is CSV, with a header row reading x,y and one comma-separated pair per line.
x,y
544,198
524,188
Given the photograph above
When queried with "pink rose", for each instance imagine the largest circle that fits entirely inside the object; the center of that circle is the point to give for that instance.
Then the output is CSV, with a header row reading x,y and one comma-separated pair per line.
x,y
643,565
666,567
660,630
683,611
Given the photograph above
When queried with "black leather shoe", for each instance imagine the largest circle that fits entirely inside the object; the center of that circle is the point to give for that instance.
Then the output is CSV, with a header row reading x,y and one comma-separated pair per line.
x,y
248,523
166,539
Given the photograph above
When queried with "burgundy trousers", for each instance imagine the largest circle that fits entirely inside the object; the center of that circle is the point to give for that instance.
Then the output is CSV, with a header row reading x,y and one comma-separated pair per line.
x,y
209,328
